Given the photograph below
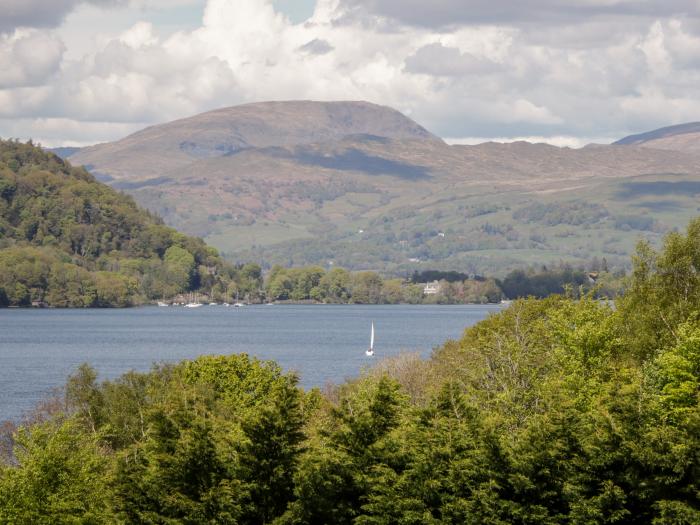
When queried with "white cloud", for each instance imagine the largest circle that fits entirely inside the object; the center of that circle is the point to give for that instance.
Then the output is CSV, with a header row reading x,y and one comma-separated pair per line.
x,y
140,35
28,58
66,132
556,140
489,76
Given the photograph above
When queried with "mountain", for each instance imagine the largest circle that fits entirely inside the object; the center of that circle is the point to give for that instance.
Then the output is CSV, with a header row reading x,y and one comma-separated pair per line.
x,y
360,185
225,132
682,137
68,240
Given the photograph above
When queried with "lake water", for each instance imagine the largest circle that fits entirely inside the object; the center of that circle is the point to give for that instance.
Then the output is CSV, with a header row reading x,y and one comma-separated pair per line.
x,y
323,343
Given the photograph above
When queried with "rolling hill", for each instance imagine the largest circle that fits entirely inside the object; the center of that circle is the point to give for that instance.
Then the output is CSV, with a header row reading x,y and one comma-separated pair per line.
x,y
363,186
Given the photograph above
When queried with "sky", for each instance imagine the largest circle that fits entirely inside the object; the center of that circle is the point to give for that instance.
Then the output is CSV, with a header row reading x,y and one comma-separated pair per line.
x,y
567,72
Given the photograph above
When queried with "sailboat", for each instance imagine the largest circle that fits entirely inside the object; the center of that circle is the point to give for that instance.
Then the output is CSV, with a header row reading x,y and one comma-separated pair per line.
x,y
238,304
193,303
370,351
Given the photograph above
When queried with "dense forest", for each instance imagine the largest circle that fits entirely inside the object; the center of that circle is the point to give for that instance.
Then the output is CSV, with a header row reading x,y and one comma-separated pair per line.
x,y
554,411
68,240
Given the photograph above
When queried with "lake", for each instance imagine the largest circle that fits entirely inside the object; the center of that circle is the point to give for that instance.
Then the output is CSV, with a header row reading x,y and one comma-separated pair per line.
x,y
323,343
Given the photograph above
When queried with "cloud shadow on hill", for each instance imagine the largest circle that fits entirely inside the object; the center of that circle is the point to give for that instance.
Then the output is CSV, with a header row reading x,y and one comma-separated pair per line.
x,y
630,190
356,160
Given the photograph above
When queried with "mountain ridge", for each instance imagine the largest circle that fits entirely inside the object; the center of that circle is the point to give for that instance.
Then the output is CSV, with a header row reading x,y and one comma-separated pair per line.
x,y
666,131
680,137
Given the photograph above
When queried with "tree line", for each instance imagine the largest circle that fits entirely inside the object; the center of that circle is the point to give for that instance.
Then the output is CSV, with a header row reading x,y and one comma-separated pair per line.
x,y
341,286
313,283
562,410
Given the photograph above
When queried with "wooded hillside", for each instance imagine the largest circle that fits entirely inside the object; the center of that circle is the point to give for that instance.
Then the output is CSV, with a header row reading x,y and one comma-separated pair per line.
x,y
69,240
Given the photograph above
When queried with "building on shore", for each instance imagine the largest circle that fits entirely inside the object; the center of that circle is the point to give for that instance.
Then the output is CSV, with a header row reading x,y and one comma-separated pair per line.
x,y
431,288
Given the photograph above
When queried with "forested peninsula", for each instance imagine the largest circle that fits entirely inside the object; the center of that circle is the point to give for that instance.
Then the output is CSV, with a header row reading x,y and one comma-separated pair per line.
x,y
68,240
553,411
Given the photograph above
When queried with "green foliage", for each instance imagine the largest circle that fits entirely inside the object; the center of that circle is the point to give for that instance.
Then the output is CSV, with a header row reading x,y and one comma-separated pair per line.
x,y
437,275
179,267
335,285
574,213
59,478
664,288
238,382
68,240
269,454
335,479
676,374
177,474
520,283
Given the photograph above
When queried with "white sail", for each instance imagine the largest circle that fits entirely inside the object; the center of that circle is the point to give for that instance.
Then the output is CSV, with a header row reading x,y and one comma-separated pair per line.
x,y
370,351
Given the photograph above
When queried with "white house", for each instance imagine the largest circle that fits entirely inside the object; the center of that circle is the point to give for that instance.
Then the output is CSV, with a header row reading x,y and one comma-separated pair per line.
x,y
431,288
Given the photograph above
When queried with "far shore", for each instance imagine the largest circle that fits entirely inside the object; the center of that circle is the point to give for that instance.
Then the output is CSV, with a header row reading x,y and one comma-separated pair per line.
x,y
242,305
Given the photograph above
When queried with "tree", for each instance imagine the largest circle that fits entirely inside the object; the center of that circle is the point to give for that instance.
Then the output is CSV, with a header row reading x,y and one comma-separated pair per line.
x,y
279,285
178,474
333,482
59,478
664,289
304,280
179,266
335,285
367,288
269,455
83,395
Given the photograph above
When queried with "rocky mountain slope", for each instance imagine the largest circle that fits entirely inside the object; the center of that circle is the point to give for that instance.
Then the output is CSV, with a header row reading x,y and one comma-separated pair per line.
x,y
361,185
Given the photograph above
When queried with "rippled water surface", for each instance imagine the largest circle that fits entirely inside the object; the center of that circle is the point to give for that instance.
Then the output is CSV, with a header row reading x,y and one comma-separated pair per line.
x,y
39,348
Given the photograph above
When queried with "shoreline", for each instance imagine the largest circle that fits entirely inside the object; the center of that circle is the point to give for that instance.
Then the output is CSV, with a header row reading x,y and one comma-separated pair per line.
x,y
278,303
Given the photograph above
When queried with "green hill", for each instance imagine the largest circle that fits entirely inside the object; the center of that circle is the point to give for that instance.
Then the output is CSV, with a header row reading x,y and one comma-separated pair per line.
x,y
68,240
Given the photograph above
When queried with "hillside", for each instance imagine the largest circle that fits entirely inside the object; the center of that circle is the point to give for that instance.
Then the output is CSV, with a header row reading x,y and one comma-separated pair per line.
x,y
68,240
363,186
682,137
